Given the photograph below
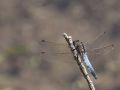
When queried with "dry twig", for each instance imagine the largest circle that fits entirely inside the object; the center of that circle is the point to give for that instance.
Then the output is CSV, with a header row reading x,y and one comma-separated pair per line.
x,y
79,60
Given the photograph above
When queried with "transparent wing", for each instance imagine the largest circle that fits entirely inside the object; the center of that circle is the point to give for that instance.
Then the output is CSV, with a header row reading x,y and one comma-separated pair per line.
x,y
97,38
104,50
100,40
63,57
52,44
62,48
102,44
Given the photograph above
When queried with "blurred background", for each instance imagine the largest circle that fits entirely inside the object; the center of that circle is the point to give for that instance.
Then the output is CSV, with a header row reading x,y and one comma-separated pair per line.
x,y
24,23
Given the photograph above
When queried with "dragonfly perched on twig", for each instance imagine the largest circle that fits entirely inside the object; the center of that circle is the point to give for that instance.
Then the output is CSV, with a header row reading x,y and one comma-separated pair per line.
x,y
57,46
82,52
62,48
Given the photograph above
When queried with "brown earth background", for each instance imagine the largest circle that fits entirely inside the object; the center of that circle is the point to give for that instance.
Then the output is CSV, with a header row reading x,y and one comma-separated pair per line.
x,y
24,23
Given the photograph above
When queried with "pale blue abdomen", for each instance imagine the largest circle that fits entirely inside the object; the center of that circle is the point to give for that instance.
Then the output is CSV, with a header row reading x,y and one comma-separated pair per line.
x,y
89,65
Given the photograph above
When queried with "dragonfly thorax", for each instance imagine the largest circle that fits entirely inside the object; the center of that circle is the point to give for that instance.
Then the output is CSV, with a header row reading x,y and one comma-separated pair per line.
x,y
79,46
82,47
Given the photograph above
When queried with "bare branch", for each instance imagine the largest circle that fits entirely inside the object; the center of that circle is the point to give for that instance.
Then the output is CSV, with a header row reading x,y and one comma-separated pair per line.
x,y
79,60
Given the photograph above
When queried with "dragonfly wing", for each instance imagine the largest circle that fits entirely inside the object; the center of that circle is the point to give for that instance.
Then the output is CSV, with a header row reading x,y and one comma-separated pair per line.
x,y
104,50
89,65
52,43
53,46
100,40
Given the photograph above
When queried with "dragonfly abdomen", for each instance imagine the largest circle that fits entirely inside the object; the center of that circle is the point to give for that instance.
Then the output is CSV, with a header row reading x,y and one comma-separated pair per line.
x,y
89,65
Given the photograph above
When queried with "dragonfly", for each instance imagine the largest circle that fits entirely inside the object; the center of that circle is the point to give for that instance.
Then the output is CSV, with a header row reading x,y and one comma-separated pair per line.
x,y
82,52
82,49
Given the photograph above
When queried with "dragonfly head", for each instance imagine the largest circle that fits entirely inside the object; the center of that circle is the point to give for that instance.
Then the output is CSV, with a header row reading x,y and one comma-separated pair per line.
x,y
76,43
